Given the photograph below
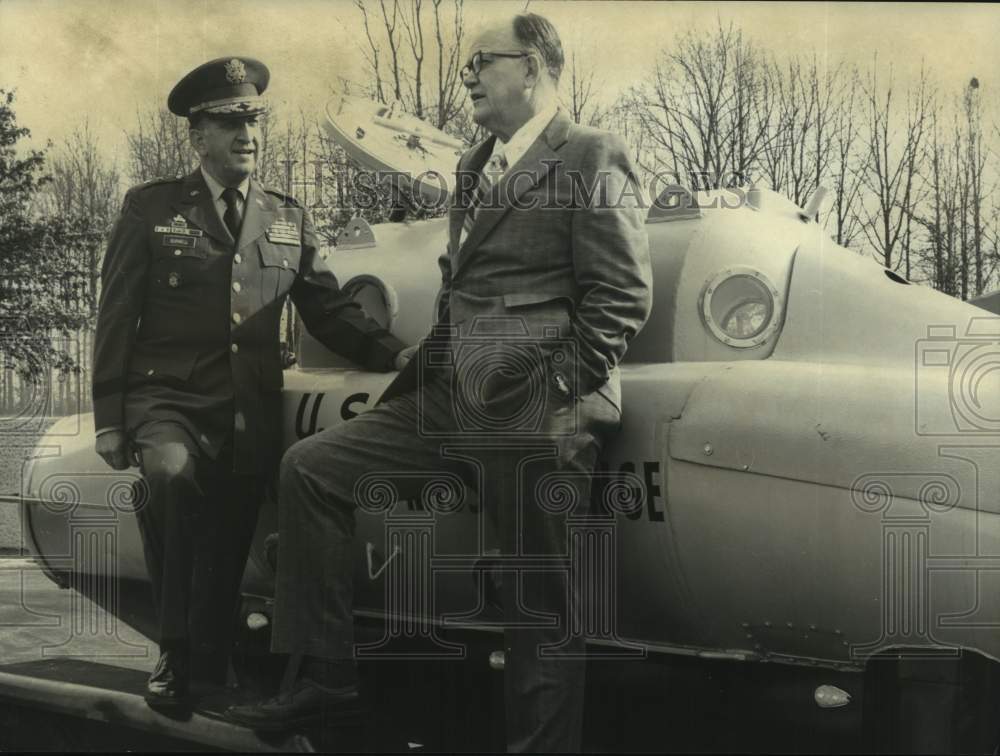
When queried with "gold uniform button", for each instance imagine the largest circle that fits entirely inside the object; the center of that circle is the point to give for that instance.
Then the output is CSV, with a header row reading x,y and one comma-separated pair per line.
x,y
237,258
237,287
150,371
235,348
236,319
285,263
178,253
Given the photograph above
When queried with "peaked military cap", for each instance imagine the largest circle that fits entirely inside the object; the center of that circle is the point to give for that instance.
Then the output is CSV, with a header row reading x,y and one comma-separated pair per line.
x,y
223,88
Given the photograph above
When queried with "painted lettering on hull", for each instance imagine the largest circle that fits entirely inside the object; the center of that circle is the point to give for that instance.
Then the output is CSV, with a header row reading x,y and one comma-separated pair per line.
x,y
310,404
347,406
302,430
649,494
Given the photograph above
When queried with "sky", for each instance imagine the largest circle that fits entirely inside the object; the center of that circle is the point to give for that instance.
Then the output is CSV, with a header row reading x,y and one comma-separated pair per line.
x,y
100,60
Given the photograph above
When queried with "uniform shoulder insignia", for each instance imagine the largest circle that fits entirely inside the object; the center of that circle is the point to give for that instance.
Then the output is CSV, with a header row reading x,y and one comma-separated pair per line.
x,y
133,194
286,199
158,182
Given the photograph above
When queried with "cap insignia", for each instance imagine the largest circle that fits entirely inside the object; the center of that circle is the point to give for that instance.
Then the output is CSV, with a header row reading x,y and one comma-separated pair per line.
x,y
236,71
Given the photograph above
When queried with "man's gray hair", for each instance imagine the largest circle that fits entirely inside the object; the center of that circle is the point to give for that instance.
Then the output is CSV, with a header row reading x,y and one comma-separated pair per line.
x,y
532,30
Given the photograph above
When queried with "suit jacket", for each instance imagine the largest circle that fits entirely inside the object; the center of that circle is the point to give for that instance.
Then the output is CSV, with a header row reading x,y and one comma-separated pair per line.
x,y
188,322
557,259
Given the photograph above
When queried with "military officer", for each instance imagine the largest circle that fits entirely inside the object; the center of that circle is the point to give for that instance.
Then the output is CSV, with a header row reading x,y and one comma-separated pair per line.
x,y
187,362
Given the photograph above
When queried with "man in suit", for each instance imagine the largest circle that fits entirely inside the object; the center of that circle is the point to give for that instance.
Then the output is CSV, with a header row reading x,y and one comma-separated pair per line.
x,y
187,362
545,280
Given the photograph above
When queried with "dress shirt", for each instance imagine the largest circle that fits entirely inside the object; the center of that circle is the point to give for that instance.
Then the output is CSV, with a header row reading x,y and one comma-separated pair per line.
x,y
216,189
522,139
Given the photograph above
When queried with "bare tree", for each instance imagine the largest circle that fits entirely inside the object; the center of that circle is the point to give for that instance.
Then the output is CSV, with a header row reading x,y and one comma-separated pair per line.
x,y
85,191
960,228
450,92
893,152
403,43
846,170
376,44
975,165
580,94
158,146
373,55
84,183
415,36
706,109
800,155
940,219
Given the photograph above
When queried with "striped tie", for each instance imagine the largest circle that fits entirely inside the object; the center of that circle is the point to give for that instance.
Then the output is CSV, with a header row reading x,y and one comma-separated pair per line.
x,y
490,174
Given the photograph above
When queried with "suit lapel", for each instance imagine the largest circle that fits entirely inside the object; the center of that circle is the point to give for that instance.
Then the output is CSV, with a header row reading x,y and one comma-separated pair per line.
x,y
526,174
469,168
259,212
197,206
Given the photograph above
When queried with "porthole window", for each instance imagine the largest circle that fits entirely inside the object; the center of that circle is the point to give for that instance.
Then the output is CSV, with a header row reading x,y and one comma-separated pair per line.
x,y
741,307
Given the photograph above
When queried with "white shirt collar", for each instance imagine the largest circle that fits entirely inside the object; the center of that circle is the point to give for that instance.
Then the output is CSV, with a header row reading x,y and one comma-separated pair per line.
x,y
524,137
216,189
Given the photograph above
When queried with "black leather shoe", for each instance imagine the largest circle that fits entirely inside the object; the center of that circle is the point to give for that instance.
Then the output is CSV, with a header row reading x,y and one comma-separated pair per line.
x,y
167,687
306,703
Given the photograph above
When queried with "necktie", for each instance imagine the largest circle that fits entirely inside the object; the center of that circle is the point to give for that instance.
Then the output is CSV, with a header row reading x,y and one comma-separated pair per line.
x,y
233,215
490,174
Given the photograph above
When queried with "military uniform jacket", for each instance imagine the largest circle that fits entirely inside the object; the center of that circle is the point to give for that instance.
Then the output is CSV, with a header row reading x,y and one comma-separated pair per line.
x,y
188,323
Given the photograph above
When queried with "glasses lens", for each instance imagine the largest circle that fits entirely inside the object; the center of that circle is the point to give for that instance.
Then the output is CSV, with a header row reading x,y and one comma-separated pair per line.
x,y
477,63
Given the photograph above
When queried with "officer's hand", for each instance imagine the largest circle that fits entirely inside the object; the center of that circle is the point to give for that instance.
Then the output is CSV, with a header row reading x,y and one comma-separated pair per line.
x,y
404,356
113,447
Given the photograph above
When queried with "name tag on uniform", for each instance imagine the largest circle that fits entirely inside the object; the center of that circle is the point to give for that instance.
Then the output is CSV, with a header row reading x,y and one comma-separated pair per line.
x,y
283,232
180,230
180,241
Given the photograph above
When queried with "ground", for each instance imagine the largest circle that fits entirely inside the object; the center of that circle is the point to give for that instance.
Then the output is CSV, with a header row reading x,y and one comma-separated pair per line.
x,y
38,620
18,437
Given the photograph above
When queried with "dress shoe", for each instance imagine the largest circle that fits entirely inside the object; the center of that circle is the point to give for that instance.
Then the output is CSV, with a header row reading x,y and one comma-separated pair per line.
x,y
167,687
304,703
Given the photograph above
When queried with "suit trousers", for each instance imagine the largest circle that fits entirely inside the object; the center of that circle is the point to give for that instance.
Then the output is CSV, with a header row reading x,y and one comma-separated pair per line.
x,y
197,524
516,476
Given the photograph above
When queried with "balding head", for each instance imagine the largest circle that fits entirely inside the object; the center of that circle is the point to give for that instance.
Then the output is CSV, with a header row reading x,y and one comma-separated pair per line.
x,y
519,61
536,32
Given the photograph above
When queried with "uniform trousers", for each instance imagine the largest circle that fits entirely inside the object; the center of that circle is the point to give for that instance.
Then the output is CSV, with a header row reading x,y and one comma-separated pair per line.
x,y
197,524
515,475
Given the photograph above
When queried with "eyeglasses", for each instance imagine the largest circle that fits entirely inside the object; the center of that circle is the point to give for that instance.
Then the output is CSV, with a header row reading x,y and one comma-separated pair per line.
x,y
475,64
